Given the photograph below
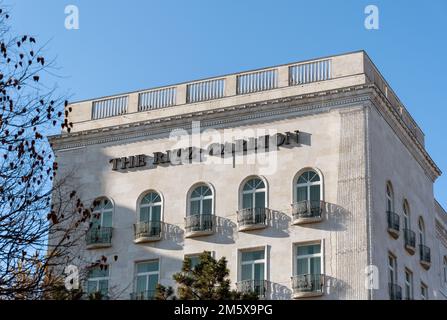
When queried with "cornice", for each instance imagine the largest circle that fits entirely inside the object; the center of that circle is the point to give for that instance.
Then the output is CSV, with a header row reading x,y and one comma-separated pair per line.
x,y
263,111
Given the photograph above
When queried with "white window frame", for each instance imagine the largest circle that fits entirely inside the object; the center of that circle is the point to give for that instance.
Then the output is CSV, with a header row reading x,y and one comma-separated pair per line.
x,y
389,197
149,273
150,205
421,227
97,279
307,184
102,211
424,291
265,261
408,279
392,268
253,192
406,211
307,256
201,198
197,254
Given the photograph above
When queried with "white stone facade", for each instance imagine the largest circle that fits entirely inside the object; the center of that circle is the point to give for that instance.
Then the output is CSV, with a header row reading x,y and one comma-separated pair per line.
x,y
354,133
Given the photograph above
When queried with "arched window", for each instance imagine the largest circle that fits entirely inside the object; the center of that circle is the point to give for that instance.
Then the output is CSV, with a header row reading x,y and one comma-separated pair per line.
x,y
199,218
148,227
254,194
406,209
389,198
308,187
201,201
150,207
421,231
100,232
102,213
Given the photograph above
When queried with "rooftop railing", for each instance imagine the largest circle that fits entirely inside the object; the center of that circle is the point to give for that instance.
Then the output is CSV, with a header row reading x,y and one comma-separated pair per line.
x,y
245,83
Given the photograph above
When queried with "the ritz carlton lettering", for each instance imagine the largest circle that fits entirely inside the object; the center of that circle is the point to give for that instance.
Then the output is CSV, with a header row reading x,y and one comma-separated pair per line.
x,y
262,143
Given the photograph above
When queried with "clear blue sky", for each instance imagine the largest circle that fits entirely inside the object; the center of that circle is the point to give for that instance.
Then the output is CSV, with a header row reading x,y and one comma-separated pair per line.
x,y
129,45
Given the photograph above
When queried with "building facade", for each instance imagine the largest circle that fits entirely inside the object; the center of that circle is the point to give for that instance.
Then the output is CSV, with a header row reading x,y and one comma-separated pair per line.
x,y
311,178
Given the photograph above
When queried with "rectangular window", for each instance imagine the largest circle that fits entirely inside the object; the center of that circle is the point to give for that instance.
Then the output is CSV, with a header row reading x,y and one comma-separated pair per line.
x,y
424,291
146,280
308,259
408,285
253,266
392,268
195,259
98,281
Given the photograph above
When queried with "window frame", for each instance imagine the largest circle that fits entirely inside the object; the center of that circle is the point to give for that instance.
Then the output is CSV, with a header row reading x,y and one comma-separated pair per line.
x,y
389,194
242,192
201,198
102,211
265,261
392,269
97,280
309,256
409,287
150,205
308,184
424,291
147,274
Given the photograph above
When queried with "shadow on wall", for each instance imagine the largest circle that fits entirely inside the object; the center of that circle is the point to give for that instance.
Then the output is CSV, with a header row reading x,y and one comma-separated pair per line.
x,y
278,291
335,218
335,287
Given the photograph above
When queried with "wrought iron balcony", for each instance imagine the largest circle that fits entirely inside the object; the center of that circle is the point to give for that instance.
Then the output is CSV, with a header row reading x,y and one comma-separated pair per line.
x,y
257,286
425,256
410,240
147,231
393,224
307,211
143,295
99,237
252,218
308,285
197,225
395,291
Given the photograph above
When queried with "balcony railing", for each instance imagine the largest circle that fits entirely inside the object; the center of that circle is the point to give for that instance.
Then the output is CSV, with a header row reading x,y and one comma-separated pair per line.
x,y
425,256
410,240
307,211
99,237
257,286
393,224
395,291
252,218
308,285
147,231
143,295
199,224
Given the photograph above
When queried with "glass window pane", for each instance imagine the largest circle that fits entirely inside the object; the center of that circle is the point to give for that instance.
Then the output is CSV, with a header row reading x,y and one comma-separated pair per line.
x,y
309,249
107,219
315,192
195,207
91,286
144,214
104,287
207,206
194,261
156,213
259,184
302,266
147,266
246,272
301,194
252,255
315,265
247,201
259,271
260,200
153,281
108,204
141,283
